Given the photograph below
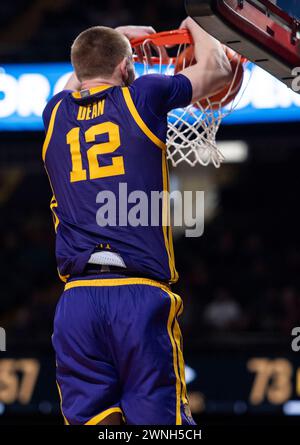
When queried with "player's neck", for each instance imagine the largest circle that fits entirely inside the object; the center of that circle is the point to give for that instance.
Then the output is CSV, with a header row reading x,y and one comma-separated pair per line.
x,y
93,83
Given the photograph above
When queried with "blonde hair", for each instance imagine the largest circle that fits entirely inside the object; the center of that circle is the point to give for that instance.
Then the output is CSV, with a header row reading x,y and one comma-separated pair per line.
x,y
97,51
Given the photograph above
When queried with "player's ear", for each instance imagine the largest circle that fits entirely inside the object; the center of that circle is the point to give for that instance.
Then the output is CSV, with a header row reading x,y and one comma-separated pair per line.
x,y
124,69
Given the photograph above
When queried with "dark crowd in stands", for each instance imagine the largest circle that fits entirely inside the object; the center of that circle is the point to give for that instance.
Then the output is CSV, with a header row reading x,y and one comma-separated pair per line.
x,y
39,30
43,30
30,31
242,275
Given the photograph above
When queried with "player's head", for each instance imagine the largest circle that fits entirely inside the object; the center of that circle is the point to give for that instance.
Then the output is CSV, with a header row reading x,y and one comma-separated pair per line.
x,y
101,52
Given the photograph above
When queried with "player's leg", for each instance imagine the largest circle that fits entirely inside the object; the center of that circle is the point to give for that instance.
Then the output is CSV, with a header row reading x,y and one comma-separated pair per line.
x,y
147,349
86,376
112,419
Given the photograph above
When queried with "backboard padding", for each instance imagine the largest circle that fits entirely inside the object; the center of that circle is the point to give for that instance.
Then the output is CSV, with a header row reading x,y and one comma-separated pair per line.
x,y
263,39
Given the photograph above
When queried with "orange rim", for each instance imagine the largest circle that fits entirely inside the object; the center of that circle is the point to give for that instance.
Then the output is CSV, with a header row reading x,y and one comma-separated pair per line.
x,y
174,37
165,38
156,60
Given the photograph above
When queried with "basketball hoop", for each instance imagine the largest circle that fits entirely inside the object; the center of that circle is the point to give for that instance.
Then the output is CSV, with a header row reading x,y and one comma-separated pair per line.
x,y
192,131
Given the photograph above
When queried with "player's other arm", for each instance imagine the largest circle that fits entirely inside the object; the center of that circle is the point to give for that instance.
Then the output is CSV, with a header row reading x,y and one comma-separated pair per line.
x,y
212,70
72,84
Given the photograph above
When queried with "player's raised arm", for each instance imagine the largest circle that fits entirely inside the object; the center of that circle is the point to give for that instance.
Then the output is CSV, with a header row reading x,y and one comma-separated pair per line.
x,y
131,32
73,83
134,32
212,70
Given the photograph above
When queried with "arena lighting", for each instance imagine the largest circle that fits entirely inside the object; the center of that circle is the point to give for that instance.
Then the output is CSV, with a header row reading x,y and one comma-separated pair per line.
x,y
190,374
234,151
292,408
2,408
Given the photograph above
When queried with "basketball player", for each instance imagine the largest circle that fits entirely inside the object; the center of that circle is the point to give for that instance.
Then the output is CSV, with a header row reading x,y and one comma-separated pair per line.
x,y
116,333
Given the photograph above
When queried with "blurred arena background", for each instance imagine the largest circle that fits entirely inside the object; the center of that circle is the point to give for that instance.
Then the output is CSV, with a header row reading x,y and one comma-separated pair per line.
x,y
240,281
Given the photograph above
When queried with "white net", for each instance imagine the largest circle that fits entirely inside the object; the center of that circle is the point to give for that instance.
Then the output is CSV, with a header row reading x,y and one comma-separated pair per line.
x,y
192,131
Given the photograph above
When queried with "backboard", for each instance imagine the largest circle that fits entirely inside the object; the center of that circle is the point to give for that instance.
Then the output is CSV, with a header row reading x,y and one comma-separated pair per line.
x,y
258,29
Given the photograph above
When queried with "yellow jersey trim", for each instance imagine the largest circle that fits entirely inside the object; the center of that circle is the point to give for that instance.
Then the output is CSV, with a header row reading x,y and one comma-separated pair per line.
x,y
178,341
50,130
63,278
60,398
139,121
174,343
94,420
95,90
170,233
116,282
166,223
97,419
53,205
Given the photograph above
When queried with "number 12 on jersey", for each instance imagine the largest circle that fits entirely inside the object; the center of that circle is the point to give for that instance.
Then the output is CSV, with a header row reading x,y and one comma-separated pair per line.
x,y
96,171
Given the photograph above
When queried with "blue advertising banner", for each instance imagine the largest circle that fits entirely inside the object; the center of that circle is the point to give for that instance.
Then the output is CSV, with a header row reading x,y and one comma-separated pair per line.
x,y
26,88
